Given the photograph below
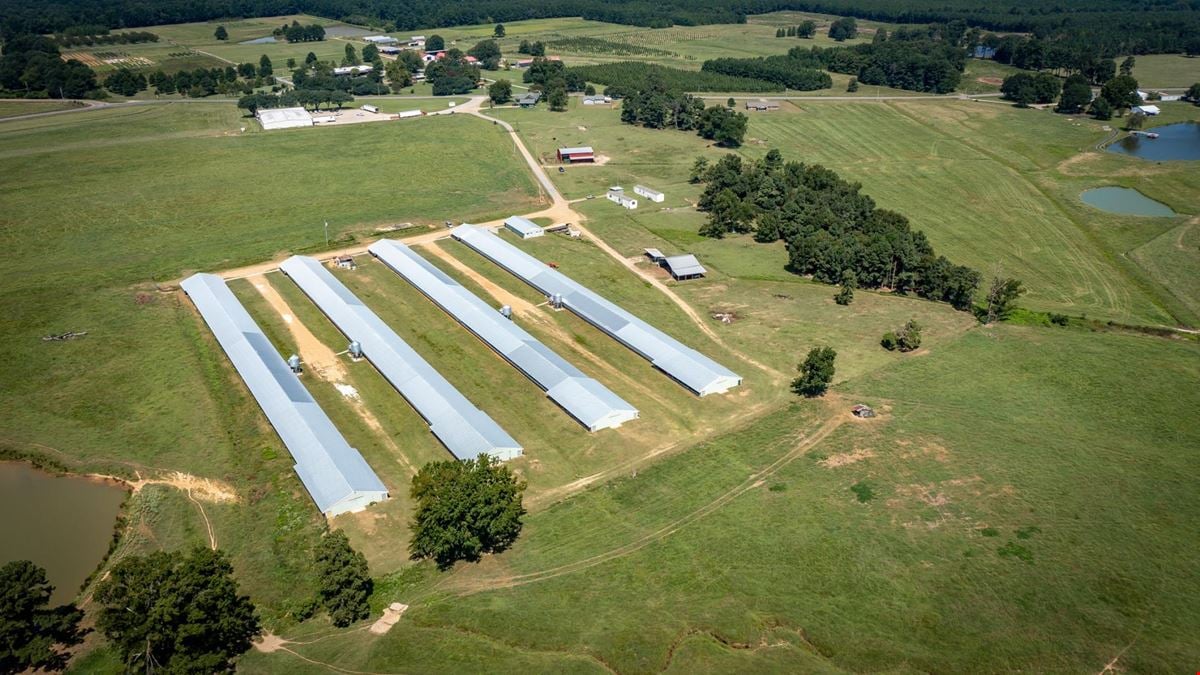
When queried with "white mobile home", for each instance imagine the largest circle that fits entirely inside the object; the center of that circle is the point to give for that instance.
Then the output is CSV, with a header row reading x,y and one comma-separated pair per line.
x,y
616,194
370,108
652,195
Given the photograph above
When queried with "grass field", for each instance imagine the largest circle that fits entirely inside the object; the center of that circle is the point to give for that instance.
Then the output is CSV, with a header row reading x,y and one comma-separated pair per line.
x,y
15,108
1166,70
991,185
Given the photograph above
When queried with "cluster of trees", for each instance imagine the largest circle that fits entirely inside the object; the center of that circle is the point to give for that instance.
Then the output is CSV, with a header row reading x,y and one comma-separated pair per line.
x,y
933,66
531,48
452,74
33,635
905,339
628,76
1028,88
313,32
546,75
464,510
75,39
659,107
845,28
31,66
488,53
125,82
1080,52
806,29
308,98
782,70
829,227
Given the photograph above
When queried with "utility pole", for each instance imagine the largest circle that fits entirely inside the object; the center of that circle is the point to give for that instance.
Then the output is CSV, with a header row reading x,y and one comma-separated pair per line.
x,y
327,234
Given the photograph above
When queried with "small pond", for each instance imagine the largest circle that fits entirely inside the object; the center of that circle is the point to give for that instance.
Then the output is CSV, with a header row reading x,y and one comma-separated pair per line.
x,y
1125,201
62,523
260,41
1175,141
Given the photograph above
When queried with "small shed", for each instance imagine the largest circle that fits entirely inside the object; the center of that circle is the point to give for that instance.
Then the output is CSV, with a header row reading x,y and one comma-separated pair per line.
x,y
345,262
652,195
576,155
683,267
1150,110
529,100
523,227
370,108
617,195
405,114
861,410
656,256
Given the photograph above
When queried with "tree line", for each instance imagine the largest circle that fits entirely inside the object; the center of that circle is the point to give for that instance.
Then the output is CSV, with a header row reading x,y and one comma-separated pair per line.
x,y
313,32
782,70
634,75
829,226
128,37
658,107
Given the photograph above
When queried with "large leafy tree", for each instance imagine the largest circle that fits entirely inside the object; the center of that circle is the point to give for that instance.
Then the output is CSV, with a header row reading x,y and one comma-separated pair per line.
x,y
176,612
500,91
435,43
346,584
816,372
464,510
220,33
488,53
1076,94
31,632
845,28
1121,92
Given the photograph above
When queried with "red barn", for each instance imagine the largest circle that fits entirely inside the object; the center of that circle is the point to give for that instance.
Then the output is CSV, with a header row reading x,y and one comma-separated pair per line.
x,y
576,155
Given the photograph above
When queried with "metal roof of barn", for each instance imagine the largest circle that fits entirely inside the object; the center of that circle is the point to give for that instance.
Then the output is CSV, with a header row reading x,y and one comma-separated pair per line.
x,y
522,225
688,366
335,474
464,429
684,265
581,150
585,399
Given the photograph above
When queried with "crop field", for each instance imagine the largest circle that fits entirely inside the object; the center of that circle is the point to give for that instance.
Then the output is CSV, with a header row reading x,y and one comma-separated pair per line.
x,y
1024,500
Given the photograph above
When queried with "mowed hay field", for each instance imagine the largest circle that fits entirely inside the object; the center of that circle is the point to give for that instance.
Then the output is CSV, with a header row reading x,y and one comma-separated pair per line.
x,y
993,187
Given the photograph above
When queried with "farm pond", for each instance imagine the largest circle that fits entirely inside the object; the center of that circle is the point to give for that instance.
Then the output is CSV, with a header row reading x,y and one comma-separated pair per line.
x,y
1174,142
61,523
1125,201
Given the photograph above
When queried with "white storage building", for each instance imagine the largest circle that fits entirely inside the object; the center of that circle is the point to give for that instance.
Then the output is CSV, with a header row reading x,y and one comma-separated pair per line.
x,y
465,430
523,227
617,194
687,366
585,399
652,195
284,118
684,267
336,476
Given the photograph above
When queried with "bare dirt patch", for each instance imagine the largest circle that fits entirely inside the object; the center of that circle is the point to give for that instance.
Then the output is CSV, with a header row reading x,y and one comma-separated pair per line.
x,y
847,458
994,81
391,615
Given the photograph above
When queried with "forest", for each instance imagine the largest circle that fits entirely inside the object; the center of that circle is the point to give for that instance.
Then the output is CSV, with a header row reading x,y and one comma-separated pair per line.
x,y
831,229
1109,26
628,76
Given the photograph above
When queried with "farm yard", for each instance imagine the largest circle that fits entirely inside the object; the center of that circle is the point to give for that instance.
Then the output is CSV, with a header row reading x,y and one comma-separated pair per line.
x,y
1022,499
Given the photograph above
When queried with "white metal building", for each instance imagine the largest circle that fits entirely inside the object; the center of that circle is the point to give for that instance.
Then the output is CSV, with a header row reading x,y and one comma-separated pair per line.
x,y
409,113
523,227
617,194
336,476
1150,110
370,108
684,267
652,195
284,118
353,70
381,39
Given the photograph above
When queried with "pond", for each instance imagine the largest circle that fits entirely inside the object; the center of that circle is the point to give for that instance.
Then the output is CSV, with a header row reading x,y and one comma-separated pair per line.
x,y
62,523
1125,201
1175,141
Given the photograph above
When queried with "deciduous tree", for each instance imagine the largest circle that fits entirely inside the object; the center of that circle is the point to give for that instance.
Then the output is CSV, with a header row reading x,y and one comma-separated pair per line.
x,y
345,582
816,372
33,634
500,91
1001,298
465,509
220,33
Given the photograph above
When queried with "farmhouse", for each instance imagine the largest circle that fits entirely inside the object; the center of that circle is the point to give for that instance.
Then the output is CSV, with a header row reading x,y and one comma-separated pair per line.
x,y
381,39
576,155
684,267
1150,110
284,118
529,100
523,227
353,70
617,194
761,106
652,195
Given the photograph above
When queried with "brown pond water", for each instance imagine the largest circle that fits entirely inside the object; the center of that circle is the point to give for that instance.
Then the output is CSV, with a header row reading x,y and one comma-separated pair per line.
x,y
62,523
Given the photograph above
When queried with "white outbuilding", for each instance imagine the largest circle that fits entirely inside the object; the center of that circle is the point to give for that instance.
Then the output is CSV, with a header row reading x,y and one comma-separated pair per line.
x,y
1150,110
652,195
617,195
284,118
523,227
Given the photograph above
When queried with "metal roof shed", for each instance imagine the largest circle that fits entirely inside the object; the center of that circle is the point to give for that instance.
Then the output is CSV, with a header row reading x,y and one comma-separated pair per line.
x,y
585,399
686,365
284,118
336,476
684,267
523,227
465,430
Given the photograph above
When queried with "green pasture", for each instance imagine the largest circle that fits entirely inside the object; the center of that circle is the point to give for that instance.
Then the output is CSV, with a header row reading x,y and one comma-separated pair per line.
x,y
1027,509
14,108
1174,71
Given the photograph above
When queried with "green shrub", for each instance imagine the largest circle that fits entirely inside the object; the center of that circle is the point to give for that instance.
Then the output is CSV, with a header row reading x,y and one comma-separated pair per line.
x,y
863,492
